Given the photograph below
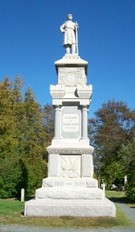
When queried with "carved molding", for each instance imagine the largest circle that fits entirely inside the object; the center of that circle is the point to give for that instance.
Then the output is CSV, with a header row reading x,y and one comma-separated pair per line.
x,y
70,150
71,76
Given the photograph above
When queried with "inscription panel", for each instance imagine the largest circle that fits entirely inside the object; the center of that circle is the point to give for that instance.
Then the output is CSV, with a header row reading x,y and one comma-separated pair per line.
x,y
70,122
70,127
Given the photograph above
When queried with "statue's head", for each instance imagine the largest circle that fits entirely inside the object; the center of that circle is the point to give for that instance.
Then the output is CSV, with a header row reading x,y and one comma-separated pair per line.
x,y
69,16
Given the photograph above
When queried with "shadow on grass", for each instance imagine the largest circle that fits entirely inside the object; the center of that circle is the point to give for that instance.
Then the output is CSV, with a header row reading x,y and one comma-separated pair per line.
x,y
27,198
117,197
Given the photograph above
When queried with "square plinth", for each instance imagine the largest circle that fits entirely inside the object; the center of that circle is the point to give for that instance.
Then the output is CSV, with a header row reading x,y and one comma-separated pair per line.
x,y
75,208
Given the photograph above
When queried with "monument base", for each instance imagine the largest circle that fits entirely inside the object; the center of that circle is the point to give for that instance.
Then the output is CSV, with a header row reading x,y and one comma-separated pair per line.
x,y
70,189
77,197
75,208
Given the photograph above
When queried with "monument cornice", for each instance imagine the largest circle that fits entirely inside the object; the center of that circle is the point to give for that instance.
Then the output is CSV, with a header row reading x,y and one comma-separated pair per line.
x,y
66,150
71,60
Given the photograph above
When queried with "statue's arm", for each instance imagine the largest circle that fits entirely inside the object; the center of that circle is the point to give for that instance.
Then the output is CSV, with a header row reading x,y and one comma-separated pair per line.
x,y
62,28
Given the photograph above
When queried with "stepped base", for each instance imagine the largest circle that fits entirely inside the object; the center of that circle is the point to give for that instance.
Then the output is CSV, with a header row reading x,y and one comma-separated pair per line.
x,y
75,208
70,182
72,193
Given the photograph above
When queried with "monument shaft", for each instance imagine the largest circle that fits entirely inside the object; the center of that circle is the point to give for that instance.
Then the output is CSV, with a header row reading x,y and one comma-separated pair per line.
x,y
71,98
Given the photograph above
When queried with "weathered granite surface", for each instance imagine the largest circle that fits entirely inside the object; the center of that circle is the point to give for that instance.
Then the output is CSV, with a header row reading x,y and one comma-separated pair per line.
x,y
81,208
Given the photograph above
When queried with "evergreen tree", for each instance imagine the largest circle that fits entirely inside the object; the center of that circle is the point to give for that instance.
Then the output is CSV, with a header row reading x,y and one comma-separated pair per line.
x,y
23,140
10,171
34,140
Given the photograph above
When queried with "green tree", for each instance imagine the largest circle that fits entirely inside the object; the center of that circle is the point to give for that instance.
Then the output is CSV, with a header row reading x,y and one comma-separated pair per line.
x,y
130,188
127,154
49,118
23,140
10,171
114,125
35,140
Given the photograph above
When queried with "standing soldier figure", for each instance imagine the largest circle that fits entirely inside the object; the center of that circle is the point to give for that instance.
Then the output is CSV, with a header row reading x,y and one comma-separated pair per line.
x,y
69,28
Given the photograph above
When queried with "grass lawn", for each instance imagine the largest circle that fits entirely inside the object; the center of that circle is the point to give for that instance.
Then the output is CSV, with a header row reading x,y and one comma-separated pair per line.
x,y
116,196
11,212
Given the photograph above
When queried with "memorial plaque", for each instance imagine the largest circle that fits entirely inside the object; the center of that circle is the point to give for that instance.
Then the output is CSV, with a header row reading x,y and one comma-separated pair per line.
x,y
70,122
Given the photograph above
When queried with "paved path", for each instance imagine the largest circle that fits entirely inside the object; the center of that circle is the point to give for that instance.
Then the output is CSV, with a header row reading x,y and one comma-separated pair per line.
x,y
129,212
34,229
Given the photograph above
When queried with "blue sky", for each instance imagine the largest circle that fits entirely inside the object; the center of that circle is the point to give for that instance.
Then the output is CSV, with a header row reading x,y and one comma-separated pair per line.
x,y
30,43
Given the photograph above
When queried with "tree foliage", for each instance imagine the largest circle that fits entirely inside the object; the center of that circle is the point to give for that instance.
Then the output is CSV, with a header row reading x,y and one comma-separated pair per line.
x,y
49,120
130,188
23,140
113,126
127,154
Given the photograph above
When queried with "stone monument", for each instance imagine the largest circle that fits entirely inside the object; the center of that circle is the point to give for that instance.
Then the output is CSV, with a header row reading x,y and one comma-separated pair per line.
x,y
70,189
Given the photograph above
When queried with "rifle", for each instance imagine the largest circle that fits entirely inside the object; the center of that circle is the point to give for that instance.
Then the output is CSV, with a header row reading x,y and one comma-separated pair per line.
x,y
76,35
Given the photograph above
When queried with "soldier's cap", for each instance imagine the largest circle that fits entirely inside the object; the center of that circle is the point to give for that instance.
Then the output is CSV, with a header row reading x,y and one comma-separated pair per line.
x,y
69,15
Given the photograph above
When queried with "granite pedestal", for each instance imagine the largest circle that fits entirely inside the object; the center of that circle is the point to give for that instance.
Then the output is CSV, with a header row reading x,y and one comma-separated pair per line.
x,y
70,189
